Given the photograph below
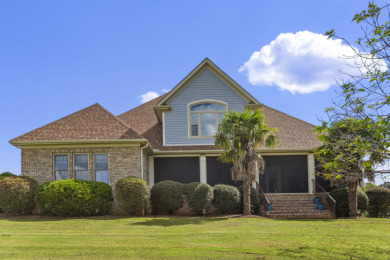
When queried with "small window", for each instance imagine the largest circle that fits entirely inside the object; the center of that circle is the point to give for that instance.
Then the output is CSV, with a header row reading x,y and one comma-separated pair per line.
x,y
205,118
81,166
101,167
61,166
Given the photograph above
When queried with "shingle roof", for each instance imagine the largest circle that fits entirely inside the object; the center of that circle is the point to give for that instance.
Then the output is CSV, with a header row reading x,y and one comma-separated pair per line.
x,y
293,132
96,123
91,123
141,118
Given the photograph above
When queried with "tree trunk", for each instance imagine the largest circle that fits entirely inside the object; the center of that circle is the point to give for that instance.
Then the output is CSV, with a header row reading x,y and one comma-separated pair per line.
x,y
247,197
352,199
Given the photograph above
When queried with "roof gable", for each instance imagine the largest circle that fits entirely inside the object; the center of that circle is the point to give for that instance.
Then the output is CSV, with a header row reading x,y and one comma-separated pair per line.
x,y
207,63
91,123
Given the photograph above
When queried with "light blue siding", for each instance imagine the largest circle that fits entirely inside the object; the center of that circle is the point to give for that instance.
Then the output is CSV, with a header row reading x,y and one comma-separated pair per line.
x,y
205,86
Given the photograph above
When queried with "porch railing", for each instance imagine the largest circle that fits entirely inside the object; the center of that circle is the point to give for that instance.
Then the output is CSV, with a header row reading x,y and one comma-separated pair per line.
x,y
330,201
264,201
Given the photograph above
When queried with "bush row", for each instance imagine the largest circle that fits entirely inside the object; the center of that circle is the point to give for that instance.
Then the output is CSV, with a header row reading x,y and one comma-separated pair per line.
x,y
376,201
168,196
379,198
342,202
72,197
21,194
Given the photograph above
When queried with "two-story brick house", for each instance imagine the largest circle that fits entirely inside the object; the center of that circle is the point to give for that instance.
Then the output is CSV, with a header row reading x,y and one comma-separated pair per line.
x,y
170,137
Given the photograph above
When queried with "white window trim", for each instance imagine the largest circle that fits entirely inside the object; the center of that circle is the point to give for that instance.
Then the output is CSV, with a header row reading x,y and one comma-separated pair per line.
x,y
108,166
54,165
189,105
74,165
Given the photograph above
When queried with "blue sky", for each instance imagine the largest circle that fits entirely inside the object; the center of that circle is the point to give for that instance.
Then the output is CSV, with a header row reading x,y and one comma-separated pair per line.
x,y
57,57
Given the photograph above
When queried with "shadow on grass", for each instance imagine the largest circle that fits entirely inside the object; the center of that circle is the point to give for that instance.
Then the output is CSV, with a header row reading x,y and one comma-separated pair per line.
x,y
176,221
306,220
37,218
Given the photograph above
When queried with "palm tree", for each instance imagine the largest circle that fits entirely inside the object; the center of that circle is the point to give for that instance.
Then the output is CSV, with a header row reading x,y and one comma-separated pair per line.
x,y
240,134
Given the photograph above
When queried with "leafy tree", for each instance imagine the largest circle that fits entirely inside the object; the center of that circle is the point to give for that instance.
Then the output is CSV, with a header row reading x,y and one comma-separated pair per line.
x,y
240,134
347,155
365,96
365,186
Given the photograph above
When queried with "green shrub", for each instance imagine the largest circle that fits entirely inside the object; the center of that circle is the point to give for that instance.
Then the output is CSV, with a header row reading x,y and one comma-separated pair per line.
x,y
166,197
40,199
74,197
199,196
17,194
386,185
6,174
132,194
189,187
255,201
227,199
342,202
379,201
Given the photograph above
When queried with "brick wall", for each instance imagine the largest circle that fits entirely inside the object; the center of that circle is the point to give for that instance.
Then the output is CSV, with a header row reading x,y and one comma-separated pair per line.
x,y
122,161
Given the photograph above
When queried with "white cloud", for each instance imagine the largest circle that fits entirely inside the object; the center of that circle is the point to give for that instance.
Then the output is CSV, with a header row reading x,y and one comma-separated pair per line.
x,y
148,96
303,62
165,90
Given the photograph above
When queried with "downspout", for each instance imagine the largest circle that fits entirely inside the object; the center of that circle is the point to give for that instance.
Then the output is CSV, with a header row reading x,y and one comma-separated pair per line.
x,y
142,160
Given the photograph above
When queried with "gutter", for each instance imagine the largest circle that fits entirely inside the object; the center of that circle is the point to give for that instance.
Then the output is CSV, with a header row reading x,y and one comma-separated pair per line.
x,y
48,143
262,152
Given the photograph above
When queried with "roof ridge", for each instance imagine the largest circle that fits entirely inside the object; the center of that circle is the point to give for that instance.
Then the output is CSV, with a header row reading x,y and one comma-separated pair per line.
x,y
117,119
112,115
96,104
207,63
289,115
143,104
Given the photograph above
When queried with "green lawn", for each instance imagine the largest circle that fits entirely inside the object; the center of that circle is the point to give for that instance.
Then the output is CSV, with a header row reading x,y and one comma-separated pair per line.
x,y
195,237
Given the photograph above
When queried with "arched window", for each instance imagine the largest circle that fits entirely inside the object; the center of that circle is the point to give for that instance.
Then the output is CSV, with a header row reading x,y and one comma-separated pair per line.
x,y
204,117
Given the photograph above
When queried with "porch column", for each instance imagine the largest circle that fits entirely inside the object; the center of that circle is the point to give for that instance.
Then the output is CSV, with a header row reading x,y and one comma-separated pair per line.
x,y
203,169
151,170
311,172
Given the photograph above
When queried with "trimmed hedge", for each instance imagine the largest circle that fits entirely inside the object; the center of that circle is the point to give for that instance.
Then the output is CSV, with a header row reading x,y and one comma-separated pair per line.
x,y
227,199
379,201
132,194
199,196
166,197
17,194
342,203
7,174
74,197
255,200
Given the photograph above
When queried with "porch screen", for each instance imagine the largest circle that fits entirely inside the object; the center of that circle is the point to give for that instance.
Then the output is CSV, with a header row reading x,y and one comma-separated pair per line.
x,y
219,173
285,174
180,169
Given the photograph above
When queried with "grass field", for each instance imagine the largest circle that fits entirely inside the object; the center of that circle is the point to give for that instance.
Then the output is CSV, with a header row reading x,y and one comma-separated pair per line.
x,y
202,238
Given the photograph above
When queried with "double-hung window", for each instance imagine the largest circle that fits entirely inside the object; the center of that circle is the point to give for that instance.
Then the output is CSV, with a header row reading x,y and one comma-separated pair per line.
x,y
101,167
81,166
61,166
205,118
